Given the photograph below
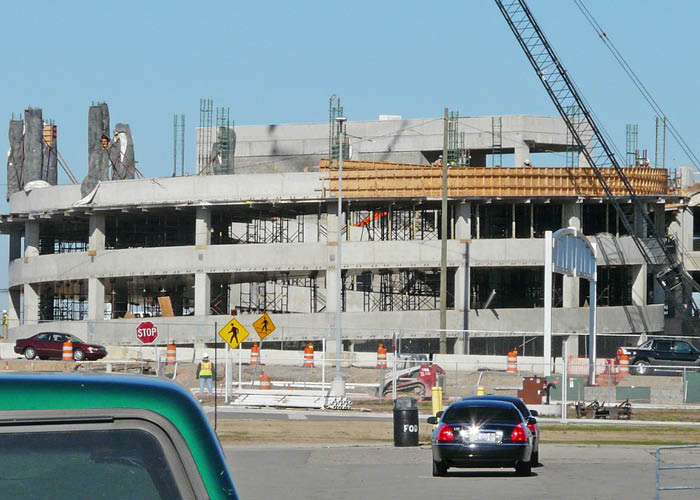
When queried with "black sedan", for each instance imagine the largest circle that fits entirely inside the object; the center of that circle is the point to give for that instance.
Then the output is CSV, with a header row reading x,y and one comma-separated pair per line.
x,y
529,417
481,433
50,345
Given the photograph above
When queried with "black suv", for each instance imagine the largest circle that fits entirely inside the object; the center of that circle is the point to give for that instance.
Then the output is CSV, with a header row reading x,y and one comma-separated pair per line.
x,y
664,353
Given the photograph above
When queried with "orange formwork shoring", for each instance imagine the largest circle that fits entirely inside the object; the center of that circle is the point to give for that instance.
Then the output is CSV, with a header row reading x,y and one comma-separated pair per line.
x,y
397,180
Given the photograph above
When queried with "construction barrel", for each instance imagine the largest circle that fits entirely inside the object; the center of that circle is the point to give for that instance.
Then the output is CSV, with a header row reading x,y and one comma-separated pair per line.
x,y
254,354
171,354
68,351
624,365
265,381
309,356
381,356
512,361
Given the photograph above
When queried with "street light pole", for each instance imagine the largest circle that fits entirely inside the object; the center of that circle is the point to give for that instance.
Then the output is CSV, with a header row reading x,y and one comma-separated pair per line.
x,y
443,244
338,386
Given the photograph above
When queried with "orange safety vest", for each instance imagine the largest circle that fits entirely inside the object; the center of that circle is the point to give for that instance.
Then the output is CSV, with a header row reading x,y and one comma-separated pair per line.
x,y
205,369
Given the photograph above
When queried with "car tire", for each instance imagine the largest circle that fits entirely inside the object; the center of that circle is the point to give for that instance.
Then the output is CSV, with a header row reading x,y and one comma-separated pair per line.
x,y
30,353
439,469
523,468
78,355
535,459
641,367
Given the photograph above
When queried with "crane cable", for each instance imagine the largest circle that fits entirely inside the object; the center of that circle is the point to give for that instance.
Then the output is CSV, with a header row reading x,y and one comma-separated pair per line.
x,y
637,82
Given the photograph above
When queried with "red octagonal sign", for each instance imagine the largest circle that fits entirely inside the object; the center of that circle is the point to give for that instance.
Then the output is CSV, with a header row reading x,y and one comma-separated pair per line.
x,y
146,332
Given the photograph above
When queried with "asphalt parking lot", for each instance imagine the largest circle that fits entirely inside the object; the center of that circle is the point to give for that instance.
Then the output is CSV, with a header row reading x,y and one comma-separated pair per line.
x,y
383,472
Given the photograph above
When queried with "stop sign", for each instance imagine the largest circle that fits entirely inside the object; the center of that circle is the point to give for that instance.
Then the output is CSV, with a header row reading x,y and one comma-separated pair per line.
x,y
146,332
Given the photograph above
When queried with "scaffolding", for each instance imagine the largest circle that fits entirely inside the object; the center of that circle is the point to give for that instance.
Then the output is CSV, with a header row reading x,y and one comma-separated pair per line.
x,y
222,156
572,152
660,152
264,296
496,141
205,141
632,143
405,290
335,110
179,144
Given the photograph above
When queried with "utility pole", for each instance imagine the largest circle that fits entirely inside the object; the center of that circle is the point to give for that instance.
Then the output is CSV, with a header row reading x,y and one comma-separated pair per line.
x,y
443,245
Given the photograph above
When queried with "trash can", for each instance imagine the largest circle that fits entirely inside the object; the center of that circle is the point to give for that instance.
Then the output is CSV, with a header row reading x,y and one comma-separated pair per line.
x,y
405,421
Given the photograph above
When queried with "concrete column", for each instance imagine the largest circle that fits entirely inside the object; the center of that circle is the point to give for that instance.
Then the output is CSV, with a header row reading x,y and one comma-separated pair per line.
x,y
202,294
572,345
202,237
97,232
31,238
15,246
639,285
31,304
463,221
640,226
96,299
571,215
522,154
13,308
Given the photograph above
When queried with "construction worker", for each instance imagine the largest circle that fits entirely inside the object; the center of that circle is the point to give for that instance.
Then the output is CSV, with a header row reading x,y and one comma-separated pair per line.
x,y
527,164
5,323
205,372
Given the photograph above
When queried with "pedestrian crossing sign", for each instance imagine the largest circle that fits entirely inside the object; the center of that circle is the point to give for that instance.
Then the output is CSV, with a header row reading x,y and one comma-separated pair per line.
x,y
233,333
264,326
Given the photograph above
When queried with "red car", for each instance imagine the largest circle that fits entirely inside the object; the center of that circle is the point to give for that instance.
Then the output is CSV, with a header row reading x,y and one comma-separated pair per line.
x,y
50,345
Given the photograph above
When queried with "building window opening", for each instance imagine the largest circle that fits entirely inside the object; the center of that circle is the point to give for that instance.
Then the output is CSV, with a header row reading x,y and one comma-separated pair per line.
x,y
495,221
512,287
545,217
614,287
63,237
149,230
594,219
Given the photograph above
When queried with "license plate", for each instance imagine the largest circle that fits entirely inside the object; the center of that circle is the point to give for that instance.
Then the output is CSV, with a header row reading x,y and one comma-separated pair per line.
x,y
481,437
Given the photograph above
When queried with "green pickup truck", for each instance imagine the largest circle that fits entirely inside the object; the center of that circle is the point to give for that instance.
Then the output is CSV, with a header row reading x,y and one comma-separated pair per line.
x,y
106,437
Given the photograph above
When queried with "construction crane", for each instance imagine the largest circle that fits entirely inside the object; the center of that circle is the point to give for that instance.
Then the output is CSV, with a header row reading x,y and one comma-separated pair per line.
x,y
675,281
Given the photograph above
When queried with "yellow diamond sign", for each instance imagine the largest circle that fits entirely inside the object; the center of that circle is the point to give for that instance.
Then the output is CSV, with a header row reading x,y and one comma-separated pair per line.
x,y
264,326
233,333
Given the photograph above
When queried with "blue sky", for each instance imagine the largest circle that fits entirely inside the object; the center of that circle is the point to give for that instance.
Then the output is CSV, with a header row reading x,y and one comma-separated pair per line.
x,y
278,62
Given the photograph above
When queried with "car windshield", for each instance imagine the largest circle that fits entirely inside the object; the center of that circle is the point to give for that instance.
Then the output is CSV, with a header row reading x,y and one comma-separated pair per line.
x,y
477,415
646,345
75,339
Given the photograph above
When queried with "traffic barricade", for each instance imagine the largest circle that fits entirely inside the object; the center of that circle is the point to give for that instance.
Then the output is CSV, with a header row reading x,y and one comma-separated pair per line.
x,y
381,356
265,383
512,361
255,354
68,351
624,365
171,353
309,356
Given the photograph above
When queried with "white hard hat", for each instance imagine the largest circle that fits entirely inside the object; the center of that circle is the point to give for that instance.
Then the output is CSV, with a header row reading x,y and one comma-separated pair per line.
x,y
4,310
205,356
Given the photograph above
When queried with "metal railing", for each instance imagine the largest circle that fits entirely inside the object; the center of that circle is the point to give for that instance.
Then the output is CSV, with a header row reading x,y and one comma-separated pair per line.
x,y
676,467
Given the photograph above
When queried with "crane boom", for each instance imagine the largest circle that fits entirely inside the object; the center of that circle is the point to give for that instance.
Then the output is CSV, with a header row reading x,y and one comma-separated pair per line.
x,y
675,281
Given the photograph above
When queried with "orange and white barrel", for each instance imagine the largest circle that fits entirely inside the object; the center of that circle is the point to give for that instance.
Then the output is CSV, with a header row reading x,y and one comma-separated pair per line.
x,y
255,354
381,356
265,381
624,364
171,354
309,356
68,351
512,361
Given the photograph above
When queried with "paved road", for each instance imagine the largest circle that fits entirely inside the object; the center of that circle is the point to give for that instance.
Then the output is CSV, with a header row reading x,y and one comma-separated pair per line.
x,y
384,472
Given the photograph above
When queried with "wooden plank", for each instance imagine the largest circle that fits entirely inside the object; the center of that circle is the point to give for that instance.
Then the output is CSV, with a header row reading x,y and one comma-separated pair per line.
x,y
166,307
